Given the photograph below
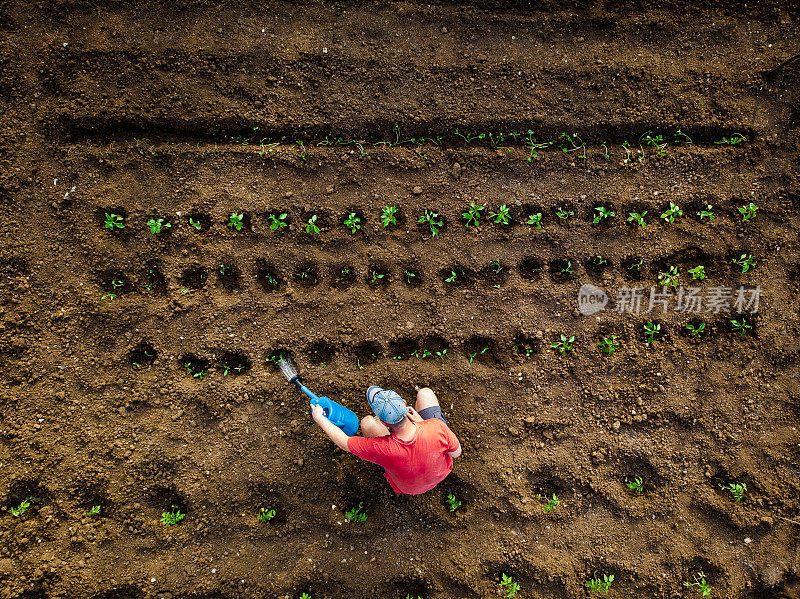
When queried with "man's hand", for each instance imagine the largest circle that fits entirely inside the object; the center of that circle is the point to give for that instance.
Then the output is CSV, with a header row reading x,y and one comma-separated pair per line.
x,y
413,415
318,413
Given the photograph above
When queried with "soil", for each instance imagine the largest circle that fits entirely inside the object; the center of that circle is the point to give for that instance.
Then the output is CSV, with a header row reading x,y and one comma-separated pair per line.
x,y
138,369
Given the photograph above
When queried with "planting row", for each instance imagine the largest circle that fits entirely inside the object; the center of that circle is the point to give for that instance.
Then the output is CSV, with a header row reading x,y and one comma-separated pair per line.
x,y
314,222
341,276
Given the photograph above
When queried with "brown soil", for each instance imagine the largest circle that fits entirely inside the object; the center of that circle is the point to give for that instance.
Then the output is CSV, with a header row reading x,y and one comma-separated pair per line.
x,y
191,109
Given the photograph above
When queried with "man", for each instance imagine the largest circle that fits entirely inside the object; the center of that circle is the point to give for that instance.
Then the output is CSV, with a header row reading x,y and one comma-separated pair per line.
x,y
414,445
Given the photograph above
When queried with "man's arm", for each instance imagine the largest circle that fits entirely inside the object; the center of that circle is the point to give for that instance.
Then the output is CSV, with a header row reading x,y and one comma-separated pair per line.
x,y
336,434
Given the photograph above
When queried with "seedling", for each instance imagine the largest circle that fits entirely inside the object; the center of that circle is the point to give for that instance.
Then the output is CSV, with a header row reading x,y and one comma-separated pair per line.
x,y
305,596
508,586
563,345
608,345
637,266
109,296
669,278
602,214
236,220
431,219
453,503
352,222
441,354
679,137
696,331
355,514
497,268
24,505
224,270
598,261
698,272
745,262
92,511
200,374
408,276
637,486
567,270
265,515
477,353
375,277
389,216
733,140
568,143
116,283
741,326
735,489
564,214
673,211
277,221
173,516
535,219
534,145
604,146
197,224
550,503
302,149
601,586
114,221
473,215
638,218
157,225
707,212
651,329
748,211
311,225
501,217
700,582
452,278
656,142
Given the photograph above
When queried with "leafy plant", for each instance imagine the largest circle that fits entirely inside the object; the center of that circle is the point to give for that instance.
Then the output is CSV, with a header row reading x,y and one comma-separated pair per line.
x,y
197,224
707,212
651,329
608,345
277,221
741,326
673,211
311,225
473,215
698,272
636,265
389,216
24,505
452,503
736,489
602,214
110,296
564,214
92,511
114,221
733,140
508,586
696,331
563,345
116,283
637,486
157,225
550,503
638,218
502,216
265,515
745,262
567,270
352,222
172,517
478,353
375,276
748,211
656,142
452,278
355,514
236,220
535,219
408,276
600,585
598,260
199,374
669,278
305,595
700,582
431,219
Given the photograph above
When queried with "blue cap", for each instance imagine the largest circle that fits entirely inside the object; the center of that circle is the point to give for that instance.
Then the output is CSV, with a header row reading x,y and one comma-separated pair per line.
x,y
388,406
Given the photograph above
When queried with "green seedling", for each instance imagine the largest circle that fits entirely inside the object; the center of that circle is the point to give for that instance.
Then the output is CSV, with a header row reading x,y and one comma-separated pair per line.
x,y
496,267
408,276
200,374
452,278
302,149
224,270
672,212
567,270
92,511
535,219
679,137
564,214
425,354
600,585
604,147
627,147
698,272
478,353
707,212
352,222
700,582
637,486
375,277
534,145
568,143
550,503
441,354
24,505
651,329
748,211
602,214
636,265
173,516
114,221
656,142
109,296
669,278
116,283
733,140
236,220
389,216
265,515
501,217
453,503
196,224
305,596
473,215
277,221
745,262
468,137
736,489
431,219
508,586
638,218
157,225
696,331
355,514
563,345
311,225
608,345
741,326
598,260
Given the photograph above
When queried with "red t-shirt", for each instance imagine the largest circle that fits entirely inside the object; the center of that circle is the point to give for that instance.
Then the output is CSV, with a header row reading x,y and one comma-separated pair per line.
x,y
415,466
